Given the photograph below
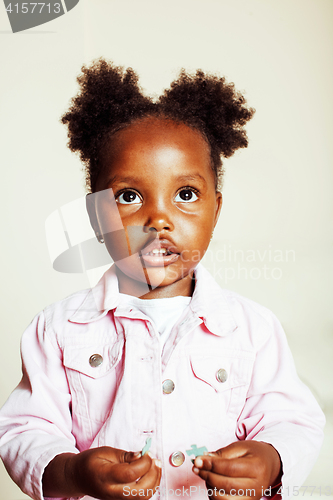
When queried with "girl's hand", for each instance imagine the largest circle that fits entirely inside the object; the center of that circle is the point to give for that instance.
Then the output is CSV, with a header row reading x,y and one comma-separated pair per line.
x,y
105,473
243,469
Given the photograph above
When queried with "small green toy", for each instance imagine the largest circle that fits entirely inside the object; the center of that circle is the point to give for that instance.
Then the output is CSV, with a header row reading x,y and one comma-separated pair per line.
x,y
196,451
146,447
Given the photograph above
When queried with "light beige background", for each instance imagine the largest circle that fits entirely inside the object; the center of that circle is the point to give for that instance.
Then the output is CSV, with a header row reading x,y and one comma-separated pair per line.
x,y
273,242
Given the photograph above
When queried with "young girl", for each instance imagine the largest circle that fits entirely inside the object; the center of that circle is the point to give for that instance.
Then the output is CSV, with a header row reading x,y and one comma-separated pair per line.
x,y
157,353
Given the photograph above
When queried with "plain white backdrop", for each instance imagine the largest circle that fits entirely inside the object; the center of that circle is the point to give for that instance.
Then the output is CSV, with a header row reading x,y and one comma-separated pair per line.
x,y
273,242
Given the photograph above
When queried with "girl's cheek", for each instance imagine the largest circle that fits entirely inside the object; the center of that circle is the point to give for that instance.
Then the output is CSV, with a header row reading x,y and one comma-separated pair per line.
x,y
116,244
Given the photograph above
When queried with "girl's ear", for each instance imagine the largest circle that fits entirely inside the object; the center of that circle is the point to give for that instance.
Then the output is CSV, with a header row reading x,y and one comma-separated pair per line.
x,y
219,201
90,206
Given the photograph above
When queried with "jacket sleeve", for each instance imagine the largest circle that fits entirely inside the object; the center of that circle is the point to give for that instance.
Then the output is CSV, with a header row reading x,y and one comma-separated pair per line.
x,y
281,410
35,422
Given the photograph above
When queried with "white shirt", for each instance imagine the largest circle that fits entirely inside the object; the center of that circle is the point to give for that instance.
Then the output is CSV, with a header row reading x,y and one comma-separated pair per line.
x,y
164,313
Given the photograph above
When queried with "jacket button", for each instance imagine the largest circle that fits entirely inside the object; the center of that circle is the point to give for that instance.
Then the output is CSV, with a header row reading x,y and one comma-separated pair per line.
x,y
177,458
222,375
95,360
168,386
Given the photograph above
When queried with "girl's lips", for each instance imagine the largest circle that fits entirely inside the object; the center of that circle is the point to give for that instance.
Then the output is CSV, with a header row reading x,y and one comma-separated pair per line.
x,y
159,253
159,260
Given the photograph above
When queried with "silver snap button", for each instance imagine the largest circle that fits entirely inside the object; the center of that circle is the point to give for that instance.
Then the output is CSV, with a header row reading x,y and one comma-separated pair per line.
x,y
168,386
95,360
177,459
222,375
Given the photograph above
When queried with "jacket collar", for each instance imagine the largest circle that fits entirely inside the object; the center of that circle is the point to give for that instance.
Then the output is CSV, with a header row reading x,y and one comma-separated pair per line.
x,y
99,300
209,302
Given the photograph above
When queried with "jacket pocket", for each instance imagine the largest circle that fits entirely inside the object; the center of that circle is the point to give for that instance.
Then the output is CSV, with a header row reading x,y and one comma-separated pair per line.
x,y
94,361
93,374
221,384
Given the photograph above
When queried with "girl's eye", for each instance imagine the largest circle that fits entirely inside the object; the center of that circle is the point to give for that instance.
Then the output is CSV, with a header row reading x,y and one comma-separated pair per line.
x,y
186,195
128,197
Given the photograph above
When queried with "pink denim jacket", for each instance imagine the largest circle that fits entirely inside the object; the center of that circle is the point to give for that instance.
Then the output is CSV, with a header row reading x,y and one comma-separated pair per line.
x,y
65,403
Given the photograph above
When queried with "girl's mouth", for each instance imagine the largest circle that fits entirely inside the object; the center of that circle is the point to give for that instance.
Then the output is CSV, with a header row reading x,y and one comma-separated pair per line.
x,y
158,256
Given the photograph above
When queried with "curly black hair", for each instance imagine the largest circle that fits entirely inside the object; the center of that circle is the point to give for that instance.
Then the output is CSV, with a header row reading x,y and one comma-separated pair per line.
x,y
110,99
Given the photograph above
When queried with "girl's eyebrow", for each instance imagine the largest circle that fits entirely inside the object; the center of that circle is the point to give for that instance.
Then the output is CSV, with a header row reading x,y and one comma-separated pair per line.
x,y
117,179
134,180
191,177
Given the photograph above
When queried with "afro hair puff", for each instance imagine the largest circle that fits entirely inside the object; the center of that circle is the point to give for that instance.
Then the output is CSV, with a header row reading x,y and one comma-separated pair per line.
x,y
110,99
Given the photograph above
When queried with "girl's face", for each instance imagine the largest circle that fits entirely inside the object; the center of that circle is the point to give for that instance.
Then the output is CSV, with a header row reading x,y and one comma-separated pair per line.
x,y
161,190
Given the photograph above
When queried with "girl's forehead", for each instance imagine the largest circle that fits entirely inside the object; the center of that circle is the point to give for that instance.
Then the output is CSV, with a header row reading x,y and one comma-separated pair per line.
x,y
151,133
155,150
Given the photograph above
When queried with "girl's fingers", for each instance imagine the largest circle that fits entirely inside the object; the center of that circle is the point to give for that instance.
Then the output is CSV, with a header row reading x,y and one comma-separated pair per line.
x,y
234,450
229,477
131,456
229,485
153,476
128,472
241,470
144,488
239,467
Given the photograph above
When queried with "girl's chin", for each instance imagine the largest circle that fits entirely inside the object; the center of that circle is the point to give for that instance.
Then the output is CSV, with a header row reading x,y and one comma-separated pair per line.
x,y
144,278
139,280
157,276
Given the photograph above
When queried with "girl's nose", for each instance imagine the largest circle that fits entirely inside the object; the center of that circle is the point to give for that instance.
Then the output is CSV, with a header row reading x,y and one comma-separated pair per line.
x,y
159,220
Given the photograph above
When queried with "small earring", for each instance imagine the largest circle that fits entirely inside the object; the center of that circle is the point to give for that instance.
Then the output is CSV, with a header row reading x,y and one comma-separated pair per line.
x,y
99,238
